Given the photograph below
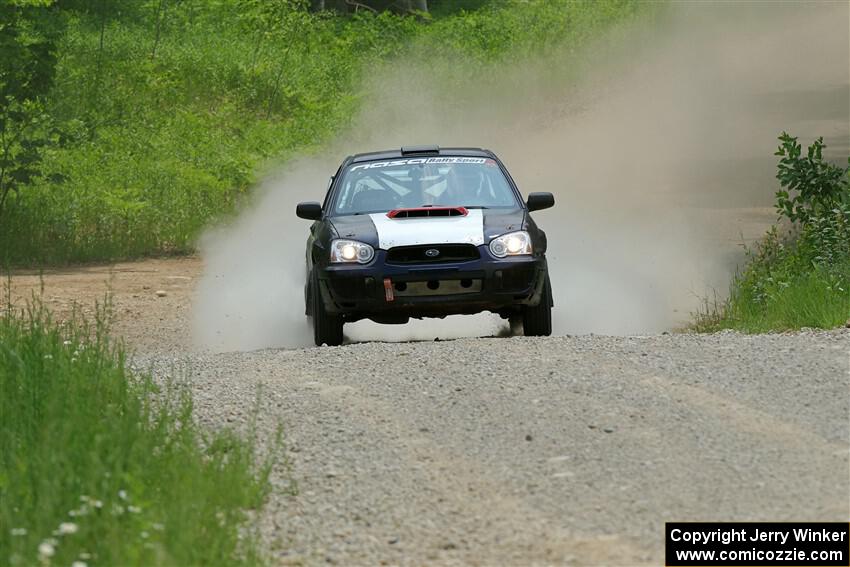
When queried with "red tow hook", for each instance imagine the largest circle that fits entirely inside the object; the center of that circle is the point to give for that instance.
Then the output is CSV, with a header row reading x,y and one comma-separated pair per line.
x,y
388,289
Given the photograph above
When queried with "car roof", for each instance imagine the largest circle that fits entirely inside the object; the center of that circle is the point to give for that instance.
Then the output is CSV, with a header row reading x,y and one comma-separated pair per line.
x,y
413,151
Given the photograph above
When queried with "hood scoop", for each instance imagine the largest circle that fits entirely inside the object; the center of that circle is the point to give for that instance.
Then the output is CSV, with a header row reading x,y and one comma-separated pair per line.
x,y
427,212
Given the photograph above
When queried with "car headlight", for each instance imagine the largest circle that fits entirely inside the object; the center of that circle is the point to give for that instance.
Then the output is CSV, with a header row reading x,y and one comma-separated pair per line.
x,y
511,244
347,251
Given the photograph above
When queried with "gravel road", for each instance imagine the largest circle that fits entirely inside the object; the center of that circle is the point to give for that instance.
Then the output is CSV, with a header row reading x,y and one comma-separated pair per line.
x,y
503,450
535,451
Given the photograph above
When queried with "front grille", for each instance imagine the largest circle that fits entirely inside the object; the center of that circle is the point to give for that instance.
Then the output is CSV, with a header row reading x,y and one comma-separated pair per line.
x,y
420,254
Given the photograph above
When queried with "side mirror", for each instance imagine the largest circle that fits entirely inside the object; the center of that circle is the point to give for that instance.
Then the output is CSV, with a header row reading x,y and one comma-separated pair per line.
x,y
537,201
309,210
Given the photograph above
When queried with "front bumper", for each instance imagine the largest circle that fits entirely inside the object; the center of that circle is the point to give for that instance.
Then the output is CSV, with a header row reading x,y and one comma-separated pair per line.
x,y
433,289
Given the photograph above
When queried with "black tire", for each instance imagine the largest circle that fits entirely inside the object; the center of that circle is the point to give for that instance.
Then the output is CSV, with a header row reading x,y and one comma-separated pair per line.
x,y
327,328
537,319
515,325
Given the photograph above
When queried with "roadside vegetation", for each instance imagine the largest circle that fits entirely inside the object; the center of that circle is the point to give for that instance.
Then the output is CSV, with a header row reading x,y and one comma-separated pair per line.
x,y
129,125
799,274
100,467
126,127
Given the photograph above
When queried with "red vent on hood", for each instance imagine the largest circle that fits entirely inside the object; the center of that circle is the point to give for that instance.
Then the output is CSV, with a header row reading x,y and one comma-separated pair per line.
x,y
425,212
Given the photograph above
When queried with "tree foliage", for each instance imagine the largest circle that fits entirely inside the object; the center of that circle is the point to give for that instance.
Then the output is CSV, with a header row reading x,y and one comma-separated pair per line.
x,y
133,144
29,32
24,132
811,186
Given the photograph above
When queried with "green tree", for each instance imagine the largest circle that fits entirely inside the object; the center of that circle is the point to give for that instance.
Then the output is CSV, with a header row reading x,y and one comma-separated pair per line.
x,y
24,131
29,32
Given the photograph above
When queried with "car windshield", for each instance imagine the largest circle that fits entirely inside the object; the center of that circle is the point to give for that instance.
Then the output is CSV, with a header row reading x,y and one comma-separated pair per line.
x,y
380,186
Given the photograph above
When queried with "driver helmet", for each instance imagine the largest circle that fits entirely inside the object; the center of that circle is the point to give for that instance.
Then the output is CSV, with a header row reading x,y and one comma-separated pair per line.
x,y
463,184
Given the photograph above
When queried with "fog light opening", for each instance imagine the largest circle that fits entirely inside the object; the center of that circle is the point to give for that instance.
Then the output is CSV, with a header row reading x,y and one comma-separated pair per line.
x,y
400,286
465,283
433,284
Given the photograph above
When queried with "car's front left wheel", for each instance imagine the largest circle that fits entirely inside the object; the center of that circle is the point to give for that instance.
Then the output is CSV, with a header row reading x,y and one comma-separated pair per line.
x,y
537,319
327,327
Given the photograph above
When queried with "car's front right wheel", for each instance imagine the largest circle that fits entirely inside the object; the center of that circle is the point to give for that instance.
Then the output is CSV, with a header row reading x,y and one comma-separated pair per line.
x,y
327,327
537,319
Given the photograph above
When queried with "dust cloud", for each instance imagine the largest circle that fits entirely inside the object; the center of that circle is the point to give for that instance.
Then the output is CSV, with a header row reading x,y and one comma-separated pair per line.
x,y
657,142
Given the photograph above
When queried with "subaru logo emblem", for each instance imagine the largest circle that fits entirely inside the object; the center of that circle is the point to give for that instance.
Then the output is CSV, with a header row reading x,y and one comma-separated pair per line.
x,y
432,252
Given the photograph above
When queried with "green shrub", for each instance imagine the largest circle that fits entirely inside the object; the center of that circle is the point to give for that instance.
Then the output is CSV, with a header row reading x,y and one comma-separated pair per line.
x,y
801,278
103,467
812,187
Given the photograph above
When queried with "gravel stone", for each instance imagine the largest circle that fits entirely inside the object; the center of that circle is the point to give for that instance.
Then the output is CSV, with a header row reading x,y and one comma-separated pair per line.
x,y
418,462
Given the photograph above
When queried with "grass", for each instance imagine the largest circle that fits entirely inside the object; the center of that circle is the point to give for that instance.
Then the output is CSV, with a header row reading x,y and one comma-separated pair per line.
x,y
104,467
791,282
813,299
153,147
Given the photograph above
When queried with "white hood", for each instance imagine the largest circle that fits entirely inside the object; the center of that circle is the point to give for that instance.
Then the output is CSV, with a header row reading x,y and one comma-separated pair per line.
x,y
467,229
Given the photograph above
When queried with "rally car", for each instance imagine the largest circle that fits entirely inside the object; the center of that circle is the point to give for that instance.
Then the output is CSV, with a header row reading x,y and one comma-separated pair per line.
x,y
425,232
